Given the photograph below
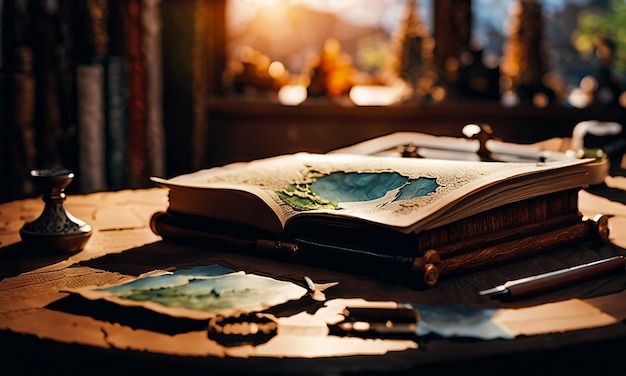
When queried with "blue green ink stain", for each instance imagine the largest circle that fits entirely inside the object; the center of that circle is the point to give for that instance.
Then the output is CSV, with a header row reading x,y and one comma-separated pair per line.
x,y
327,191
203,288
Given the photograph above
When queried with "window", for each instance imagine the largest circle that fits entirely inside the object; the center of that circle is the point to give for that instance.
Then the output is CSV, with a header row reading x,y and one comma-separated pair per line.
x,y
292,34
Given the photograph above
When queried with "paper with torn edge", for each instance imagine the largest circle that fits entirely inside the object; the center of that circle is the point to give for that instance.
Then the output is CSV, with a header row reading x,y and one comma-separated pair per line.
x,y
201,292
573,314
508,323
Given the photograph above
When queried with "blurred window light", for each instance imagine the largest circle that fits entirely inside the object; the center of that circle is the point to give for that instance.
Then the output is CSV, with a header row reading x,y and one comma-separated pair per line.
x,y
375,95
292,95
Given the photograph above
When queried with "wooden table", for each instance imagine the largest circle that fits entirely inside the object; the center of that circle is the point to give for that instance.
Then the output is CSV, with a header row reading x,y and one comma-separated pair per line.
x,y
44,328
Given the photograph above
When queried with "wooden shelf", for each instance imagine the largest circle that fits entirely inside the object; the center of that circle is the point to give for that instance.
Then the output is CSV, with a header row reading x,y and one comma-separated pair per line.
x,y
240,130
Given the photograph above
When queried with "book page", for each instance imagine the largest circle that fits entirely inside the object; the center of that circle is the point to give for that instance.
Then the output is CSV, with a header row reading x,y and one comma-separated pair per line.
x,y
445,147
397,192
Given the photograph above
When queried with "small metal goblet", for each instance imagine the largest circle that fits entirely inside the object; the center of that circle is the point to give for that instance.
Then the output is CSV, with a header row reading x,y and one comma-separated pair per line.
x,y
56,230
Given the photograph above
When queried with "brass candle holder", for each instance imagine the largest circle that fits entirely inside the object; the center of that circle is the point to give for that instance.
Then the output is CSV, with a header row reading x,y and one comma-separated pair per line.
x,y
56,230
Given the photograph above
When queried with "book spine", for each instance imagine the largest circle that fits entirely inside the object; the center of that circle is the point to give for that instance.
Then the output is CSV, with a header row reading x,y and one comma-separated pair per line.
x,y
535,211
200,69
18,131
116,102
92,51
45,39
187,59
537,243
177,78
90,91
136,70
17,104
66,63
116,140
151,42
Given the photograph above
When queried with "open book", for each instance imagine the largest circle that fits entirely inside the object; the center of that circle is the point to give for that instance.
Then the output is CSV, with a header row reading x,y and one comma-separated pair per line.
x,y
408,195
382,206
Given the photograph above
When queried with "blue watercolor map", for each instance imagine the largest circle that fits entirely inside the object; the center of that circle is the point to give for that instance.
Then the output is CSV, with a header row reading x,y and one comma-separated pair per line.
x,y
329,190
203,291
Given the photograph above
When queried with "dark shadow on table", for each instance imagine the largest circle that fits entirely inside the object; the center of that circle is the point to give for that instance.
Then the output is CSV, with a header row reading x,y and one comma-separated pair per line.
x,y
133,317
16,259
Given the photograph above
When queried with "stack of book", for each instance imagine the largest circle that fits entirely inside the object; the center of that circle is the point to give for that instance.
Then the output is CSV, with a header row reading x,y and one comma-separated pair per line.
x,y
406,219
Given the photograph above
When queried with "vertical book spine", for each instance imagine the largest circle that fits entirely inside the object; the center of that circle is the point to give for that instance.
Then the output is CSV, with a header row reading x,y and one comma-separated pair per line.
x,y
138,175
90,84
116,150
151,42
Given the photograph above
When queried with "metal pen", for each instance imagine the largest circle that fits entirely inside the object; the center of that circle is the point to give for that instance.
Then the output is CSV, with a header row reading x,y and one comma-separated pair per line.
x,y
559,278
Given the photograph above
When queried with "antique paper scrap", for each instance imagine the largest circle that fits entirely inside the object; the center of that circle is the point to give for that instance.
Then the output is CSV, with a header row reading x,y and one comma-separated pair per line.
x,y
507,323
563,316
